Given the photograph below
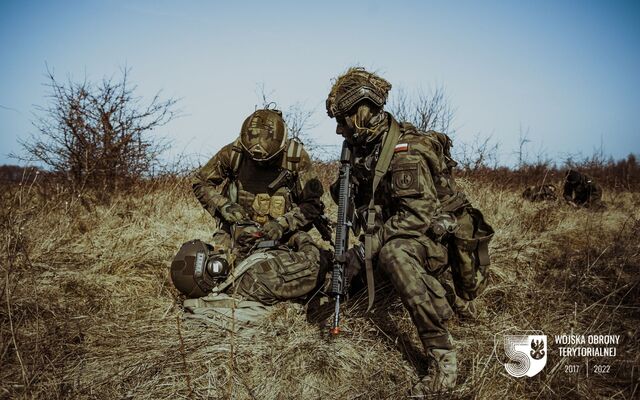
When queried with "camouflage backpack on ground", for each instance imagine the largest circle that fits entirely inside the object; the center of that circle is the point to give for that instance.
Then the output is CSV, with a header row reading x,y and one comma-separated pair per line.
x,y
540,193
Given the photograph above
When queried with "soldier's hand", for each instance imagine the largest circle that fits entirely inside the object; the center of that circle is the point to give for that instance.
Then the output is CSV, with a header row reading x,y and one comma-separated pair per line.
x,y
246,236
273,230
233,212
443,225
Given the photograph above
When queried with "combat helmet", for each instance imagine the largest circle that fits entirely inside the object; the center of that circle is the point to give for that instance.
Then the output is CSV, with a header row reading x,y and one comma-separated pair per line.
x,y
353,87
264,134
356,101
196,269
574,177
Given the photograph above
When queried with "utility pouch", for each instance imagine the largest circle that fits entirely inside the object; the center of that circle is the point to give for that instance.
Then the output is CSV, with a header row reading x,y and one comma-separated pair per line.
x,y
470,258
261,206
277,206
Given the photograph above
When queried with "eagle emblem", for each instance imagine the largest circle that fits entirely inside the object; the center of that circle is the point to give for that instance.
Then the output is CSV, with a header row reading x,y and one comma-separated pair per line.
x,y
537,349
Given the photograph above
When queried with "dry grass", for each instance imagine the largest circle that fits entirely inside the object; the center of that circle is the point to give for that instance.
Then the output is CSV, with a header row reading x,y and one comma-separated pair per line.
x,y
88,310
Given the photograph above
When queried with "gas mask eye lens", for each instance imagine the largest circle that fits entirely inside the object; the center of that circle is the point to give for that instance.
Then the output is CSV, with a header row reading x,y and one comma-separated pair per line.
x,y
215,267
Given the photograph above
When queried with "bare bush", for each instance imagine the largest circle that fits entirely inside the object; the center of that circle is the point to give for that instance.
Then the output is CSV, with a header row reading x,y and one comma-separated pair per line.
x,y
481,153
427,110
432,110
298,116
97,135
523,139
299,122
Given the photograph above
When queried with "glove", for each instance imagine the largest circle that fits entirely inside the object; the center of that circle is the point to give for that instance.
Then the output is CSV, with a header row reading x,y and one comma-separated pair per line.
x,y
273,230
232,212
246,237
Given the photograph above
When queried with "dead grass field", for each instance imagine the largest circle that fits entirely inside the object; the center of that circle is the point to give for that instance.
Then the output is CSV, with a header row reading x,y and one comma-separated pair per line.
x,y
88,310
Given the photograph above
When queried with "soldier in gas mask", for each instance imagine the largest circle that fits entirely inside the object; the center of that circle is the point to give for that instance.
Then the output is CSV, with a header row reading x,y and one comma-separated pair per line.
x,y
265,195
409,210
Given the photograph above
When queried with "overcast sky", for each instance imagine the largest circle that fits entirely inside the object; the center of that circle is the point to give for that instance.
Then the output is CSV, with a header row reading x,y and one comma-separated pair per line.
x,y
568,72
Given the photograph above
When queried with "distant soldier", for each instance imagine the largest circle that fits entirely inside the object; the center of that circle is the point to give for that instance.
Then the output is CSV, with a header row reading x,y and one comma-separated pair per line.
x,y
540,193
581,190
264,193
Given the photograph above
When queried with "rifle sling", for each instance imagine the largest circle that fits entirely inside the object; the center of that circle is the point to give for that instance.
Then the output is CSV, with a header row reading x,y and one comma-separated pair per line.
x,y
384,160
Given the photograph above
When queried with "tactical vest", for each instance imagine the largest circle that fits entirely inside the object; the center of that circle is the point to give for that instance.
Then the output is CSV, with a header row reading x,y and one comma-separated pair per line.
x,y
264,192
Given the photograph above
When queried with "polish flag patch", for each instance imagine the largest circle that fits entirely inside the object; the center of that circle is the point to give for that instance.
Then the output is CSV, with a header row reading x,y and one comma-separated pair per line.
x,y
401,147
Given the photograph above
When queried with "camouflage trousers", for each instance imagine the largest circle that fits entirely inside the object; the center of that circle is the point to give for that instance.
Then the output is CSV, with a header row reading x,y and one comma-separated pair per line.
x,y
282,273
411,264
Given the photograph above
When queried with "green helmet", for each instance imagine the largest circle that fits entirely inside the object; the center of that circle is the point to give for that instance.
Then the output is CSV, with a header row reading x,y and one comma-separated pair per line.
x,y
195,270
264,134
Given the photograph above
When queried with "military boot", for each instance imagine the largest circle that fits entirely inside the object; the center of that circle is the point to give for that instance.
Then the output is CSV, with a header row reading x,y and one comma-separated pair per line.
x,y
442,374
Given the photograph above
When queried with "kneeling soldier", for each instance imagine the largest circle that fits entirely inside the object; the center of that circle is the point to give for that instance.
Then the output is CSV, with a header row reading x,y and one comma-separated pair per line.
x,y
265,195
409,210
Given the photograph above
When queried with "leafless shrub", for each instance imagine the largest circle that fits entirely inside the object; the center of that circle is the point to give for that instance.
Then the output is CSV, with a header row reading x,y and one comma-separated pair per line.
x,y
481,153
432,110
427,110
523,139
299,121
97,135
298,116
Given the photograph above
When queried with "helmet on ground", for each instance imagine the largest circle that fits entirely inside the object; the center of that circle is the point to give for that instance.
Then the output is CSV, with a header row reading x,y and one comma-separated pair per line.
x,y
264,134
195,270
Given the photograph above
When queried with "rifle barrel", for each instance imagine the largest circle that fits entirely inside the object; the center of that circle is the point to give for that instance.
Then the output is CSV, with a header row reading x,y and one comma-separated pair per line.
x,y
342,234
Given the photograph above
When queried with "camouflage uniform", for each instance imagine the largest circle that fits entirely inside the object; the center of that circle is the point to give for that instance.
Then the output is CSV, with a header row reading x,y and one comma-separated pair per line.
x,y
463,282
284,275
581,190
409,244
282,191
468,246
540,193
405,251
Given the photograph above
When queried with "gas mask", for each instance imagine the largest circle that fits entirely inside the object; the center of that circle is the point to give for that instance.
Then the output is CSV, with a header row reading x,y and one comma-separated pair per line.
x,y
363,125
197,269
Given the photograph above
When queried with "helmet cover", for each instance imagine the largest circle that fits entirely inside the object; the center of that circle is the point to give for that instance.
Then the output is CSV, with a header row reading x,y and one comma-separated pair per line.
x,y
264,134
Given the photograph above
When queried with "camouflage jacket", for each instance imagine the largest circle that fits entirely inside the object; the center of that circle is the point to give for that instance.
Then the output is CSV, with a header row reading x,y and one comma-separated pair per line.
x,y
407,198
450,196
231,175
581,189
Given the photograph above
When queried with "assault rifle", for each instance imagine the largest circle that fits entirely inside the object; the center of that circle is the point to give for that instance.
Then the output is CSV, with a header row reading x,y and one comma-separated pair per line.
x,y
338,280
